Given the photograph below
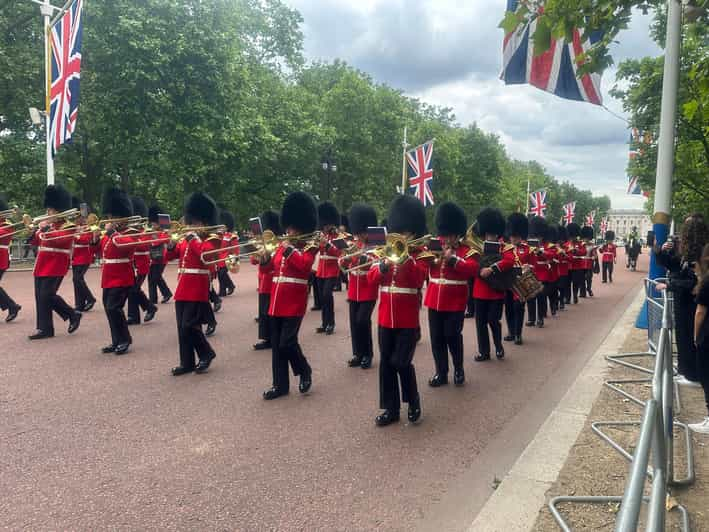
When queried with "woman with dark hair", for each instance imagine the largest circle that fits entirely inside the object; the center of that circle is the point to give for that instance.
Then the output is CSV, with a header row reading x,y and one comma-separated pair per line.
x,y
680,260
701,335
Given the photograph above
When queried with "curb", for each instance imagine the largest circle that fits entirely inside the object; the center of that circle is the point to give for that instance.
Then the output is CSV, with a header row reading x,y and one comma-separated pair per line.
x,y
515,504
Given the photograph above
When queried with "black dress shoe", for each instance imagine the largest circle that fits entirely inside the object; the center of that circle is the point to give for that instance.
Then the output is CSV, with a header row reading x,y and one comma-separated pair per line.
x,y
518,340
583,296
229,291
179,370
150,314
568,302
329,330
315,308
386,418
211,328
590,293
415,410
203,365
273,393
469,315
509,338
256,319
217,306
262,345
500,354
530,324
12,314
108,349
438,380
354,362
166,299
604,281
320,330
459,377
88,306
418,335
540,324
576,301
132,321
122,349
306,381
74,322
481,358
40,335
366,363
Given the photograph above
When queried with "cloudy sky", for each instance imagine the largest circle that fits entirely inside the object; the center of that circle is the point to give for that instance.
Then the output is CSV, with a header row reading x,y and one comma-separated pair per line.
x,y
449,53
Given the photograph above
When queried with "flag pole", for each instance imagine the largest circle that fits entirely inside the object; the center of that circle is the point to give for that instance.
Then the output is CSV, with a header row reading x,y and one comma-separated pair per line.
x,y
528,192
405,146
46,9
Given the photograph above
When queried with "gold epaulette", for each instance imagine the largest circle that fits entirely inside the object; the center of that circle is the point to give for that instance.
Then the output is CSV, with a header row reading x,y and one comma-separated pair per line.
x,y
213,237
508,247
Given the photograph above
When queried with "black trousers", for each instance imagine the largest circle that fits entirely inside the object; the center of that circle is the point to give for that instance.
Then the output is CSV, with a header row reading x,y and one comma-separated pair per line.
x,y
537,307
285,350
703,369
264,325
514,315
190,317
607,272
156,282
114,299
684,309
588,277
361,328
225,281
470,307
551,291
446,330
48,301
327,300
396,348
564,286
6,302
488,313
137,299
578,283
82,293
315,284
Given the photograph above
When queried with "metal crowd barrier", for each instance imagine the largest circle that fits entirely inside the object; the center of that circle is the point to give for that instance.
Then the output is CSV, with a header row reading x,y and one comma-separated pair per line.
x,y
656,439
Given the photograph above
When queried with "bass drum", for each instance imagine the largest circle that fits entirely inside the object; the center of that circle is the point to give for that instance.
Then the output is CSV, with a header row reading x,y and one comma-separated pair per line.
x,y
500,281
527,286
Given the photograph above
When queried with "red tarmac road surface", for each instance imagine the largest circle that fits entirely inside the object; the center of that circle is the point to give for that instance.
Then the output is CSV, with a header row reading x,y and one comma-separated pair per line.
x,y
90,441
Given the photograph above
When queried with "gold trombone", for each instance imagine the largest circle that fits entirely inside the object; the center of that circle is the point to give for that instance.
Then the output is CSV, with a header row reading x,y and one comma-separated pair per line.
x,y
9,213
396,250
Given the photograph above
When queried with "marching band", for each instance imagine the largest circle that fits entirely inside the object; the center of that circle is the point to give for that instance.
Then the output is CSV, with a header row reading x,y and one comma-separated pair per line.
x,y
512,266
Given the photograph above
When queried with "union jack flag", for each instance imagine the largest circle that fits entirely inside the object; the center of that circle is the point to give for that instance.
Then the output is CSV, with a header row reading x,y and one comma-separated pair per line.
x,y
591,218
420,172
569,212
538,203
555,70
604,226
63,91
634,188
638,138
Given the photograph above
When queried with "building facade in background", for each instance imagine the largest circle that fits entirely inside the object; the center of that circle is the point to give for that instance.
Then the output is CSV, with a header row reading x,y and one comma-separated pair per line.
x,y
622,222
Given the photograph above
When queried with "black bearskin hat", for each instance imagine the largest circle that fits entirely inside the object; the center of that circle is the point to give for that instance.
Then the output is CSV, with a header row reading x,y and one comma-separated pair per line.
x,y
537,227
587,232
270,222
451,220
227,219
407,215
57,197
299,212
345,222
328,214
200,208
75,202
361,217
518,225
563,234
116,204
552,233
153,212
574,230
3,203
139,206
610,236
491,221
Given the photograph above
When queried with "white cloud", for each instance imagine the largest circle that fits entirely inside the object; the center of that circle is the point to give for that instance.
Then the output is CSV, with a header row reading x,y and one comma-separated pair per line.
x,y
449,53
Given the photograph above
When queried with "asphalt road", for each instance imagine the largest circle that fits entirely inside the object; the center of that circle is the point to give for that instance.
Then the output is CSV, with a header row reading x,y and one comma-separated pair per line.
x,y
90,441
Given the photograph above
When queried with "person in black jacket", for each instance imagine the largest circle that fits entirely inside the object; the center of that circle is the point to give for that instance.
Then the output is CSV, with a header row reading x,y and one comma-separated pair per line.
x,y
701,336
680,260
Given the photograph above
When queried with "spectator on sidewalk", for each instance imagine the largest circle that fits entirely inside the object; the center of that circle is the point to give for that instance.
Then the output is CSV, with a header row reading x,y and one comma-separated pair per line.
x,y
701,335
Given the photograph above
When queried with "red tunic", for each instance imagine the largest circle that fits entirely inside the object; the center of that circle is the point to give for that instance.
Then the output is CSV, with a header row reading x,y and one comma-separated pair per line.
x,y
328,264
521,256
577,250
608,252
117,261
399,293
141,255
159,256
5,240
85,249
228,240
564,260
482,290
210,244
265,274
448,285
193,276
588,258
358,287
289,292
542,263
53,256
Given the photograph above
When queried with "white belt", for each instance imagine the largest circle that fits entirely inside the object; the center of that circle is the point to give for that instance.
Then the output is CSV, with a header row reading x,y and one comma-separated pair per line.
x,y
55,250
293,280
543,263
358,273
142,253
452,282
115,261
196,271
328,257
5,247
399,290
81,246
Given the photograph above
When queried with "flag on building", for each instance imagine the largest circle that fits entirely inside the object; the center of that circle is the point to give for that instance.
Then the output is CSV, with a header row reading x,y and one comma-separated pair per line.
x,y
419,168
555,70
538,203
63,91
569,212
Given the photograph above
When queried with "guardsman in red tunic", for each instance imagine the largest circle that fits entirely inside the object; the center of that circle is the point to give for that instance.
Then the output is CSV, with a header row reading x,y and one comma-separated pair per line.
x,y
328,268
608,256
229,239
541,261
158,260
361,295
52,264
577,252
399,284
269,222
85,249
137,299
211,242
289,294
447,294
192,306
488,300
564,283
6,230
551,237
518,229
587,234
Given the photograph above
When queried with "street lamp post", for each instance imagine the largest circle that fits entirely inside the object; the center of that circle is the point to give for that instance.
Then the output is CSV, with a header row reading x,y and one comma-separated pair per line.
x,y
329,166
